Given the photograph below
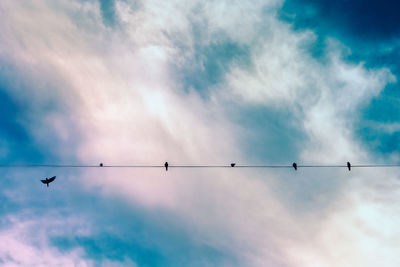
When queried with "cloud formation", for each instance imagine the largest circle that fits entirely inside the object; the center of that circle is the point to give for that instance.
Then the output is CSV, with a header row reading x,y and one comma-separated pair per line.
x,y
25,243
121,93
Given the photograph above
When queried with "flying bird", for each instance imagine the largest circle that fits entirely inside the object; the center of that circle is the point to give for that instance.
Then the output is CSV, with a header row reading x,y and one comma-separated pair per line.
x,y
233,164
166,166
294,165
349,166
48,180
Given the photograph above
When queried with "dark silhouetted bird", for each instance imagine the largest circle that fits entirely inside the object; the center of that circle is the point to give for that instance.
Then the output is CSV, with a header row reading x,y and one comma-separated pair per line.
x,y
48,180
294,165
349,166
233,164
166,166
101,165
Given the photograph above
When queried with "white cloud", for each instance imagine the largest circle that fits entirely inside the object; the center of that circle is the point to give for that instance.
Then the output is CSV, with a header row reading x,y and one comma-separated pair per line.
x,y
129,107
360,228
25,243
323,96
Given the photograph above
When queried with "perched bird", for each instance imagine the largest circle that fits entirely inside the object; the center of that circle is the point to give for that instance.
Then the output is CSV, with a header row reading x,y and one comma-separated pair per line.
x,y
166,166
349,166
233,164
101,165
48,180
294,165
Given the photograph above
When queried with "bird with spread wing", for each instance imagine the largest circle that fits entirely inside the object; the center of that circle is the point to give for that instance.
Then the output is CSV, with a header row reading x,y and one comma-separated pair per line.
x,y
48,180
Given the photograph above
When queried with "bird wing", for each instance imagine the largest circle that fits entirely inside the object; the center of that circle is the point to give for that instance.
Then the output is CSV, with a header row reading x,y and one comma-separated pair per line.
x,y
52,179
44,181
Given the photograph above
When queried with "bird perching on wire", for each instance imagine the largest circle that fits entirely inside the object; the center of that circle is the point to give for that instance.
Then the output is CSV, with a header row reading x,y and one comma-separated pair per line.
x,y
349,166
294,166
166,166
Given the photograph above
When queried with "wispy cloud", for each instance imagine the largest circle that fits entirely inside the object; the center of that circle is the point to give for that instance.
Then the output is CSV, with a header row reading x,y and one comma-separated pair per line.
x,y
120,93
25,242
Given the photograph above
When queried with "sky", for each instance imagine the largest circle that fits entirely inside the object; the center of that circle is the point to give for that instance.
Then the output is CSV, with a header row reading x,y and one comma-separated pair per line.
x,y
199,82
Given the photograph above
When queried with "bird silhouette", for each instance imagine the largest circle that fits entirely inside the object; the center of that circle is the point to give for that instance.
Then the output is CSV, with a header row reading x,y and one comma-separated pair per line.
x,y
349,166
233,164
166,166
101,165
294,165
48,180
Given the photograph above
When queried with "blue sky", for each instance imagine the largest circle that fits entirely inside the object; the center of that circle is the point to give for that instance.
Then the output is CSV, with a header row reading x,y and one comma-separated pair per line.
x,y
142,82
371,31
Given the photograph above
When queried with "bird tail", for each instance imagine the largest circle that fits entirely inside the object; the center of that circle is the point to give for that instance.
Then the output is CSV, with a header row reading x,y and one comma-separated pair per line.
x,y
47,184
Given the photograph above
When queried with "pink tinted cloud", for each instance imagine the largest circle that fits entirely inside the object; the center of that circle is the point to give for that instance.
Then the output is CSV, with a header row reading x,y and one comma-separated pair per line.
x,y
130,108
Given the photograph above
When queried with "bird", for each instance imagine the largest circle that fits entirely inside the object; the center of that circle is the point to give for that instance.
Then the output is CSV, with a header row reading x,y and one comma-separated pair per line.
x,y
101,165
349,166
294,165
166,166
233,164
48,180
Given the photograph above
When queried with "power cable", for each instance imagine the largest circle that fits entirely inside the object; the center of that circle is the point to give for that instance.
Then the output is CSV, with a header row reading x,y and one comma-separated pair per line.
x,y
193,166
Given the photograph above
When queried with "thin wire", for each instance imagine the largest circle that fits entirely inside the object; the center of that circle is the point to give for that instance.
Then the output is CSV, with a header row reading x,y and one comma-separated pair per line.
x,y
195,166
